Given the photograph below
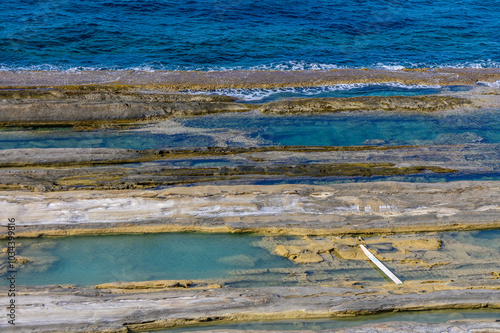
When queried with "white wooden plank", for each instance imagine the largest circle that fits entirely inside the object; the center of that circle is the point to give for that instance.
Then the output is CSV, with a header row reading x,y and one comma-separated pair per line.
x,y
381,265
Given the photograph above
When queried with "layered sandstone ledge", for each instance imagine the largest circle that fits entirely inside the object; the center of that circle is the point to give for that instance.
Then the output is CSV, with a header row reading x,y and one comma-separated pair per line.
x,y
471,156
108,107
47,309
83,98
371,208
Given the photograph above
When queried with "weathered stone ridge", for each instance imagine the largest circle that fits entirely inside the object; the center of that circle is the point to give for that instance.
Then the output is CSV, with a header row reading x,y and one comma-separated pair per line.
x,y
26,112
280,209
367,103
113,96
108,312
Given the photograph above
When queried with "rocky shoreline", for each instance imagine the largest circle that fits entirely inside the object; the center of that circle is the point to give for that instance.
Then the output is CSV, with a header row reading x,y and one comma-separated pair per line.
x,y
114,108
63,169
56,192
84,98
184,80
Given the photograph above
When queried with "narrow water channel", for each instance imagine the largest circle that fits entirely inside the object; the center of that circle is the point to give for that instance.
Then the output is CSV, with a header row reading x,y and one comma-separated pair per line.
x,y
262,95
440,316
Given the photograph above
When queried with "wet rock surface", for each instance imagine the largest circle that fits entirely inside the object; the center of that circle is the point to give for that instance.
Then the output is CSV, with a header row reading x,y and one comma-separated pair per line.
x,y
407,327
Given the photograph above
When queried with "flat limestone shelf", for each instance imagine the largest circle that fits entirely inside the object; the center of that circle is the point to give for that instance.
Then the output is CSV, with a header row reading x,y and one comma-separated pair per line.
x,y
46,309
278,209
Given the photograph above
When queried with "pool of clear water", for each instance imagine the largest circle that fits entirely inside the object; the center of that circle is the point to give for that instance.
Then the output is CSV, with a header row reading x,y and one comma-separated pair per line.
x,y
90,260
255,129
359,128
259,95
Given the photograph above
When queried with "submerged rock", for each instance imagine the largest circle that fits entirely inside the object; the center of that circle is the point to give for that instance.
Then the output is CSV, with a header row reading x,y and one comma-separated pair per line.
x,y
349,252
242,260
298,254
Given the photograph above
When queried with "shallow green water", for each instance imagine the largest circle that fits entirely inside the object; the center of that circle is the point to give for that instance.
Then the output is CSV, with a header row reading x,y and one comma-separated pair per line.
x,y
325,324
90,260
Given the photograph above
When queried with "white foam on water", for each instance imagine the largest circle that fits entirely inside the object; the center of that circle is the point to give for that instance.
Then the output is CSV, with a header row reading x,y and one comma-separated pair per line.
x,y
390,67
291,65
257,94
495,84
296,66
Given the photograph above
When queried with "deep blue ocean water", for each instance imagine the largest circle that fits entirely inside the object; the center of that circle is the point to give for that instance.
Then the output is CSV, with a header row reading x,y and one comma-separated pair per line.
x,y
270,34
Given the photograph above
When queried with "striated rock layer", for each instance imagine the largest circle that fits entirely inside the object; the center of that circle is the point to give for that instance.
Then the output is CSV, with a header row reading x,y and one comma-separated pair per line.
x,y
281,209
47,309
83,98
62,169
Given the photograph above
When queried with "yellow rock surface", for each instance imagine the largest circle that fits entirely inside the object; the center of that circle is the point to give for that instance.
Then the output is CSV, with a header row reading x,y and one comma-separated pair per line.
x,y
427,244
158,284
308,257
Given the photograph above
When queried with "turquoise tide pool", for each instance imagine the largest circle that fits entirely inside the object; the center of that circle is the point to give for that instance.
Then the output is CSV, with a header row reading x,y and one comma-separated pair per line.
x,y
254,129
90,260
